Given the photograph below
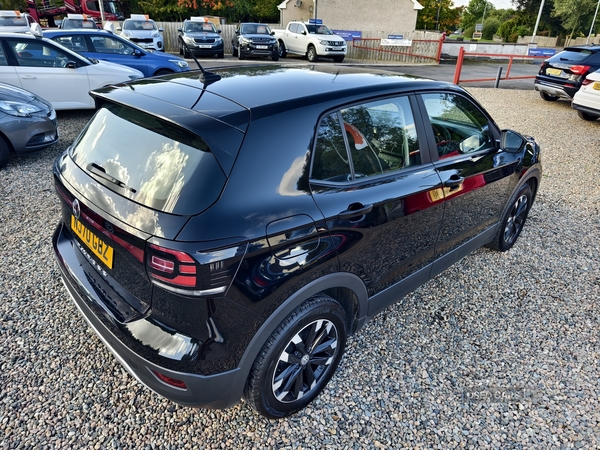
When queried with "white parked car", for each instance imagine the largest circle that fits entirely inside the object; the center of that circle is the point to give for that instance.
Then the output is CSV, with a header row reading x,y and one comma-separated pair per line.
x,y
587,99
142,31
15,22
55,73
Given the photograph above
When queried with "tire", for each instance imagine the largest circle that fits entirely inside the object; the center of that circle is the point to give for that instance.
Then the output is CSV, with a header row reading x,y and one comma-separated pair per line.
x,y
587,116
548,97
221,55
186,53
513,220
311,54
286,376
162,72
274,57
180,50
282,50
234,51
4,152
338,59
241,56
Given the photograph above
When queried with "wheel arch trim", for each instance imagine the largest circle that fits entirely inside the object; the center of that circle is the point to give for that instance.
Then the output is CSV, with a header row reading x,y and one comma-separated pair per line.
x,y
338,280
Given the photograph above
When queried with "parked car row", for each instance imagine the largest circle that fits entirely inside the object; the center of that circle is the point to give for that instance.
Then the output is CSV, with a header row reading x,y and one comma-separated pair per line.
x,y
47,70
573,74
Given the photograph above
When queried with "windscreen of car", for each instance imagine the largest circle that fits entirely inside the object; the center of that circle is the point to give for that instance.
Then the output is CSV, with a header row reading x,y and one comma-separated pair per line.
x,y
199,27
13,22
255,29
150,161
572,55
139,25
318,29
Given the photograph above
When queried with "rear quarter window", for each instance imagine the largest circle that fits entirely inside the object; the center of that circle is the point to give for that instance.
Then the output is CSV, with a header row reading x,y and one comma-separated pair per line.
x,y
160,165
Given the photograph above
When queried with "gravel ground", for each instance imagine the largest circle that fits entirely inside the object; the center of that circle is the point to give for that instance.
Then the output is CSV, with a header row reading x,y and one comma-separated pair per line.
x,y
500,351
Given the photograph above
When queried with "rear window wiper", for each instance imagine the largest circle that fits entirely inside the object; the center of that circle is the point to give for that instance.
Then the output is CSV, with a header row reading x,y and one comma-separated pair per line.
x,y
100,171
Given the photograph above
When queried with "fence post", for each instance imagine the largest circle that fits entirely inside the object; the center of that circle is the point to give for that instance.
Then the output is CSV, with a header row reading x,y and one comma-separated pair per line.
x,y
459,63
440,43
498,77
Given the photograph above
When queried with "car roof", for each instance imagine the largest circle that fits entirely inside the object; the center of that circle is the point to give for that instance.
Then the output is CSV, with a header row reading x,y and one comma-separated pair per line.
x,y
265,86
595,48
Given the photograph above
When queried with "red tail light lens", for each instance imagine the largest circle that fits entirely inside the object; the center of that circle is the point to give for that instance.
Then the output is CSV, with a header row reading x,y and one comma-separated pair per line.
x,y
203,274
586,82
580,70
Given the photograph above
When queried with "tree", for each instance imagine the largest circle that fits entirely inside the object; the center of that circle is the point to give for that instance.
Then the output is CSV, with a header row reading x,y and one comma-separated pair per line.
x,y
475,12
438,14
575,15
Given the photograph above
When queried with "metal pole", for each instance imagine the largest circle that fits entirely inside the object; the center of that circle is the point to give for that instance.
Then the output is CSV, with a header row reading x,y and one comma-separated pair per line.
x,y
537,22
102,16
593,22
498,77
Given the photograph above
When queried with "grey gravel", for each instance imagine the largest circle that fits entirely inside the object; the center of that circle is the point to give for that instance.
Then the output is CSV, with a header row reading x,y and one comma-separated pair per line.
x,y
500,351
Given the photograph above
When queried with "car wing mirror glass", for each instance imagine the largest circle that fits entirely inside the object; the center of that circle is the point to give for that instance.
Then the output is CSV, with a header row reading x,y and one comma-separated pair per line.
x,y
136,52
511,141
71,65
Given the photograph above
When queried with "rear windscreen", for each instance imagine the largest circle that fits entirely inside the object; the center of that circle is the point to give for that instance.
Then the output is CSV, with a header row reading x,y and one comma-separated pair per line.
x,y
150,161
573,55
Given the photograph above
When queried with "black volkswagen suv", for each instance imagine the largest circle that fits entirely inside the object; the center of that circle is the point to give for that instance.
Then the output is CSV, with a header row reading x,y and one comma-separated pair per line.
x,y
223,234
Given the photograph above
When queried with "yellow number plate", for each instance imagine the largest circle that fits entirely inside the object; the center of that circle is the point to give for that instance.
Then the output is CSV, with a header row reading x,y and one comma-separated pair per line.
x,y
596,86
555,72
99,248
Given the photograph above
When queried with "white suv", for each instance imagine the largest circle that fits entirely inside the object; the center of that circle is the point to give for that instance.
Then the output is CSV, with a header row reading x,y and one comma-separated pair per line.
x,y
142,30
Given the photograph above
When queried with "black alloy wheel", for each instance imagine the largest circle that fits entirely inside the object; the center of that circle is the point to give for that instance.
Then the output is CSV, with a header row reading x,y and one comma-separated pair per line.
x,y
513,220
298,359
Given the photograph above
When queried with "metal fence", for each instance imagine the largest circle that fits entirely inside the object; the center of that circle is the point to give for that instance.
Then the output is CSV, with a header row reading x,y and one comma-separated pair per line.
x,y
425,48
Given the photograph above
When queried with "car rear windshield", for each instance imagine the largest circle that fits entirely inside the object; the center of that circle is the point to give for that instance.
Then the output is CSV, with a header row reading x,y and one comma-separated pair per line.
x,y
150,161
573,55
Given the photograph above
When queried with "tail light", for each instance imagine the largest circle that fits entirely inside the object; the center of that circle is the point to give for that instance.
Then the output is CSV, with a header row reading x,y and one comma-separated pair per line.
x,y
586,82
194,273
579,70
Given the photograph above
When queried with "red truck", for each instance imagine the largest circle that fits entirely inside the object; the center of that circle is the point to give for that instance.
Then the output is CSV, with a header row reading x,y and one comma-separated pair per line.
x,y
48,11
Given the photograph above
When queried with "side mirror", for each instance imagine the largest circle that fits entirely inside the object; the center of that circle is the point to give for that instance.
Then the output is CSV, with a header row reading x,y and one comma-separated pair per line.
x,y
136,52
511,141
219,31
161,30
71,65
237,32
179,30
304,32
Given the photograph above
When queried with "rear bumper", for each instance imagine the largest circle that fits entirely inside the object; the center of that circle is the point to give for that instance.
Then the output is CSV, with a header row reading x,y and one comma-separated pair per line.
x,y
555,89
211,391
586,101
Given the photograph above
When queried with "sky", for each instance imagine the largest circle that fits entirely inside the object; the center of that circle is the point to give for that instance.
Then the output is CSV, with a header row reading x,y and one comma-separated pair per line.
x,y
499,4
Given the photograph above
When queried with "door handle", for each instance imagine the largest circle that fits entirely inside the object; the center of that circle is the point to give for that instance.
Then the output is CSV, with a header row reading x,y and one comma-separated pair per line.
x,y
354,210
29,77
453,182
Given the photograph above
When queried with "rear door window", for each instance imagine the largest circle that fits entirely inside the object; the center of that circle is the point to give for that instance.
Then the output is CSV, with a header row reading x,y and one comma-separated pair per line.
x,y
366,140
152,162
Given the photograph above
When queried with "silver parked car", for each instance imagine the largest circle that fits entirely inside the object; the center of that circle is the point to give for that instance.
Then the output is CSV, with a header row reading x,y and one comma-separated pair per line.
x,y
27,122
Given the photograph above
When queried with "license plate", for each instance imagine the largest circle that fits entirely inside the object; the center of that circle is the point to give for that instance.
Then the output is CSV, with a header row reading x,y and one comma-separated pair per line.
x,y
596,86
262,47
204,46
98,247
555,72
